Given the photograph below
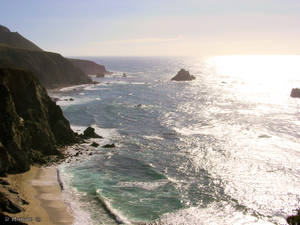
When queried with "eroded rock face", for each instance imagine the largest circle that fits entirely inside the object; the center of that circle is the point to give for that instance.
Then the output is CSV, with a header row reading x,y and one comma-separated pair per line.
x,y
183,75
295,93
32,126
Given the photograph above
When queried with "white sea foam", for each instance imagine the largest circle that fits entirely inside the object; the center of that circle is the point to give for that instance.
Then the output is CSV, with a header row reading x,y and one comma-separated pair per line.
x,y
65,100
118,215
72,198
71,88
144,185
153,137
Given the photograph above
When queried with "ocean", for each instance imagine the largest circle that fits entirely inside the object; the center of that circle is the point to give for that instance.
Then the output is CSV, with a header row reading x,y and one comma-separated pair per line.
x,y
221,149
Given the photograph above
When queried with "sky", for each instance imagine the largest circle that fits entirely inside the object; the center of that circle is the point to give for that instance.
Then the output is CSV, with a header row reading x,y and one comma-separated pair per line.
x,y
157,27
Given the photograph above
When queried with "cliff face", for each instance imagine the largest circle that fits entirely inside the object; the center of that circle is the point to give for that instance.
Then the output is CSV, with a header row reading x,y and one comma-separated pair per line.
x,y
32,125
51,69
89,67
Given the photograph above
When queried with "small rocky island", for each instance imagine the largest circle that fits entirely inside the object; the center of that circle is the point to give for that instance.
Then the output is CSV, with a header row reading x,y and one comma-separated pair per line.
x,y
183,75
295,93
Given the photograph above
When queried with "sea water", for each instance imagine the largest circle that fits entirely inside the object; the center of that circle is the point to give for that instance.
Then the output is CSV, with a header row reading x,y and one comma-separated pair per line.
x,y
222,149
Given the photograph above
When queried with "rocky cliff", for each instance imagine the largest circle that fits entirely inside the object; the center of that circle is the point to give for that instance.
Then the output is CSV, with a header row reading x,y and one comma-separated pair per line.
x,y
89,67
51,69
32,126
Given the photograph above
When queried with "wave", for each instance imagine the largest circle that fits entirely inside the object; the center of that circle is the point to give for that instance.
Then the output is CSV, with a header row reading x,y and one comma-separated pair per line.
x,y
117,215
75,87
144,185
152,137
72,198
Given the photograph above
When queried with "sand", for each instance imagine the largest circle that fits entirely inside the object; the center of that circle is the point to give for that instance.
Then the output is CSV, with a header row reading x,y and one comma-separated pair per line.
x,y
39,186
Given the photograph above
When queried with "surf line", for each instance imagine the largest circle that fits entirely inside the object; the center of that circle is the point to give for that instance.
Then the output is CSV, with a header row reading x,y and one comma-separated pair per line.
x,y
59,180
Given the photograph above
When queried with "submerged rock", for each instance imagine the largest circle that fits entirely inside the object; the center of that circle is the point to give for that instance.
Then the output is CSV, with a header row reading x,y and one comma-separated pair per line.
x,y
90,133
94,144
109,146
295,93
183,75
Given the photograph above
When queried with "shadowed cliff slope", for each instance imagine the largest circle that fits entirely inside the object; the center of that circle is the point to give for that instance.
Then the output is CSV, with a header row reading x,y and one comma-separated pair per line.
x,y
15,39
51,69
32,125
89,67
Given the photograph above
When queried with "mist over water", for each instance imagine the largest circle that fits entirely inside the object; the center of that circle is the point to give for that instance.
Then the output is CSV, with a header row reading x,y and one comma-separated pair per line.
x,y
222,149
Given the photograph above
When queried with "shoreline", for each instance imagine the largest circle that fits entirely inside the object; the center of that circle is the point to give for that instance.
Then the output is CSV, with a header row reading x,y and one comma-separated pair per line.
x,y
40,187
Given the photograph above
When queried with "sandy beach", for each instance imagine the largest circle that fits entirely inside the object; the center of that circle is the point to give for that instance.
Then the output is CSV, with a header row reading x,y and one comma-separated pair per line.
x,y
39,187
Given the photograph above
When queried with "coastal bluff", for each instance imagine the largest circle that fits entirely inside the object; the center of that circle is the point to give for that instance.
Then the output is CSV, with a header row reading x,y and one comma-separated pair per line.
x,y
52,69
90,67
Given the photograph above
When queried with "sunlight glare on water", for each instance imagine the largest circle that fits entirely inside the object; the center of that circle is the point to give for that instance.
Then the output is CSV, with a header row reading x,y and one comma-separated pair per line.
x,y
221,149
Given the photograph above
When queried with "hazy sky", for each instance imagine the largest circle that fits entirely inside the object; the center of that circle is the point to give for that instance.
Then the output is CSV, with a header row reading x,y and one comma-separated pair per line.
x,y
157,27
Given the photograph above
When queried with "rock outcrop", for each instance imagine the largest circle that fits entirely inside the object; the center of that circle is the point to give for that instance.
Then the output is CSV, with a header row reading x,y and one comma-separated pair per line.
x,y
295,93
90,67
109,146
294,220
32,126
90,133
51,69
183,75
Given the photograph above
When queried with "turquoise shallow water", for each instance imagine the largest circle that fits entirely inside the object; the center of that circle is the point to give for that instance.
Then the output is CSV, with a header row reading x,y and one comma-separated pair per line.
x,y
223,149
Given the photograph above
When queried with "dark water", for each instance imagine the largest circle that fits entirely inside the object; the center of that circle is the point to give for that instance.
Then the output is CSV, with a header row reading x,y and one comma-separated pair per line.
x,y
223,149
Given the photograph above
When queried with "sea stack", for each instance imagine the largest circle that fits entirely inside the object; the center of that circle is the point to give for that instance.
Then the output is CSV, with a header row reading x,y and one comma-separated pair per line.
x,y
295,93
183,75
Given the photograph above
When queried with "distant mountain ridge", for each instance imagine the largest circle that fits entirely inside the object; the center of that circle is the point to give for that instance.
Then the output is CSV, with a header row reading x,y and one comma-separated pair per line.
x,y
52,69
